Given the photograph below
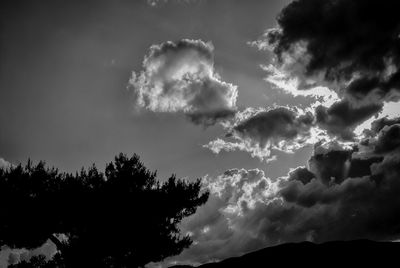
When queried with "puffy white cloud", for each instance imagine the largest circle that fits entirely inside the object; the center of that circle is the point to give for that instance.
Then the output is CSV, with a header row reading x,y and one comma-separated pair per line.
x,y
180,77
219,227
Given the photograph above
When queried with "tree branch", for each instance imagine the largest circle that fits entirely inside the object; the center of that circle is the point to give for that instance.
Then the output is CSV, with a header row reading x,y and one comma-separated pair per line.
x,y
57,242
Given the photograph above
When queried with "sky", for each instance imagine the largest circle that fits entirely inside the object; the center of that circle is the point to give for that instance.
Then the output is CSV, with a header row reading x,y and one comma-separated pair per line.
x,y
288,111
66,66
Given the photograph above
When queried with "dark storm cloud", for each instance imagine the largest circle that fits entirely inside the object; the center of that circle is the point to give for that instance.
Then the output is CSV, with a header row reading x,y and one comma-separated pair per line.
x,y
349,41
383,137
278,128
330,167
388,139
345,192
301,174
364,174
379,124
342,117
180,77
351,47
363,204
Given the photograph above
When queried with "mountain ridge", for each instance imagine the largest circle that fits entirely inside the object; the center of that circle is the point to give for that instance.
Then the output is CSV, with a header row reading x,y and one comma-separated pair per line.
x,y
335,253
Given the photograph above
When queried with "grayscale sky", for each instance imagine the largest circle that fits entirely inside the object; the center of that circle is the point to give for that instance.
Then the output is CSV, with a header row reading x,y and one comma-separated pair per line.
x,y
65,66
289,111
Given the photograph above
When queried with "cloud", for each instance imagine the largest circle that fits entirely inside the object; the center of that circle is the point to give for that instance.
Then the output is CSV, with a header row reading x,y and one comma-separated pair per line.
x,y
383,138
354,44
4,163
216,228
261,131
347,191
218,145
343,54
389,138
361,195
280,123
180,77
379,124
282,77
343,117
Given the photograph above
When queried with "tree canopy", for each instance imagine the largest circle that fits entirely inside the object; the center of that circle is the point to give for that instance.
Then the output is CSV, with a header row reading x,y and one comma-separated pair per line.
x,y
123,217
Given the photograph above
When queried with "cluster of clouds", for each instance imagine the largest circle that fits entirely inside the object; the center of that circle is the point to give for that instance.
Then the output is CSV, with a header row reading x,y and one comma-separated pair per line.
x,y
345,192
348,63
351,81
179,77
353,50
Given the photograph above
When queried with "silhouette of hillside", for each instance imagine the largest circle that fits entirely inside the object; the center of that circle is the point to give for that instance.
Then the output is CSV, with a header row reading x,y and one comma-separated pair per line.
x,y
357,253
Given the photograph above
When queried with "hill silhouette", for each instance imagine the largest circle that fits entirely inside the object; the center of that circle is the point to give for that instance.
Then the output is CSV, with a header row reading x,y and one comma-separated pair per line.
x,y
356,253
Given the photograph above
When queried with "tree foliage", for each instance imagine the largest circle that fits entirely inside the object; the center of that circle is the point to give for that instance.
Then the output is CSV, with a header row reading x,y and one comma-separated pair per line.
x,y
124,217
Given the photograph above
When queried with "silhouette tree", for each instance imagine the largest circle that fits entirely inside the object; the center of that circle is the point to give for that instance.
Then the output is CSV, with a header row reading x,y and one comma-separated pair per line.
x,y
122,218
